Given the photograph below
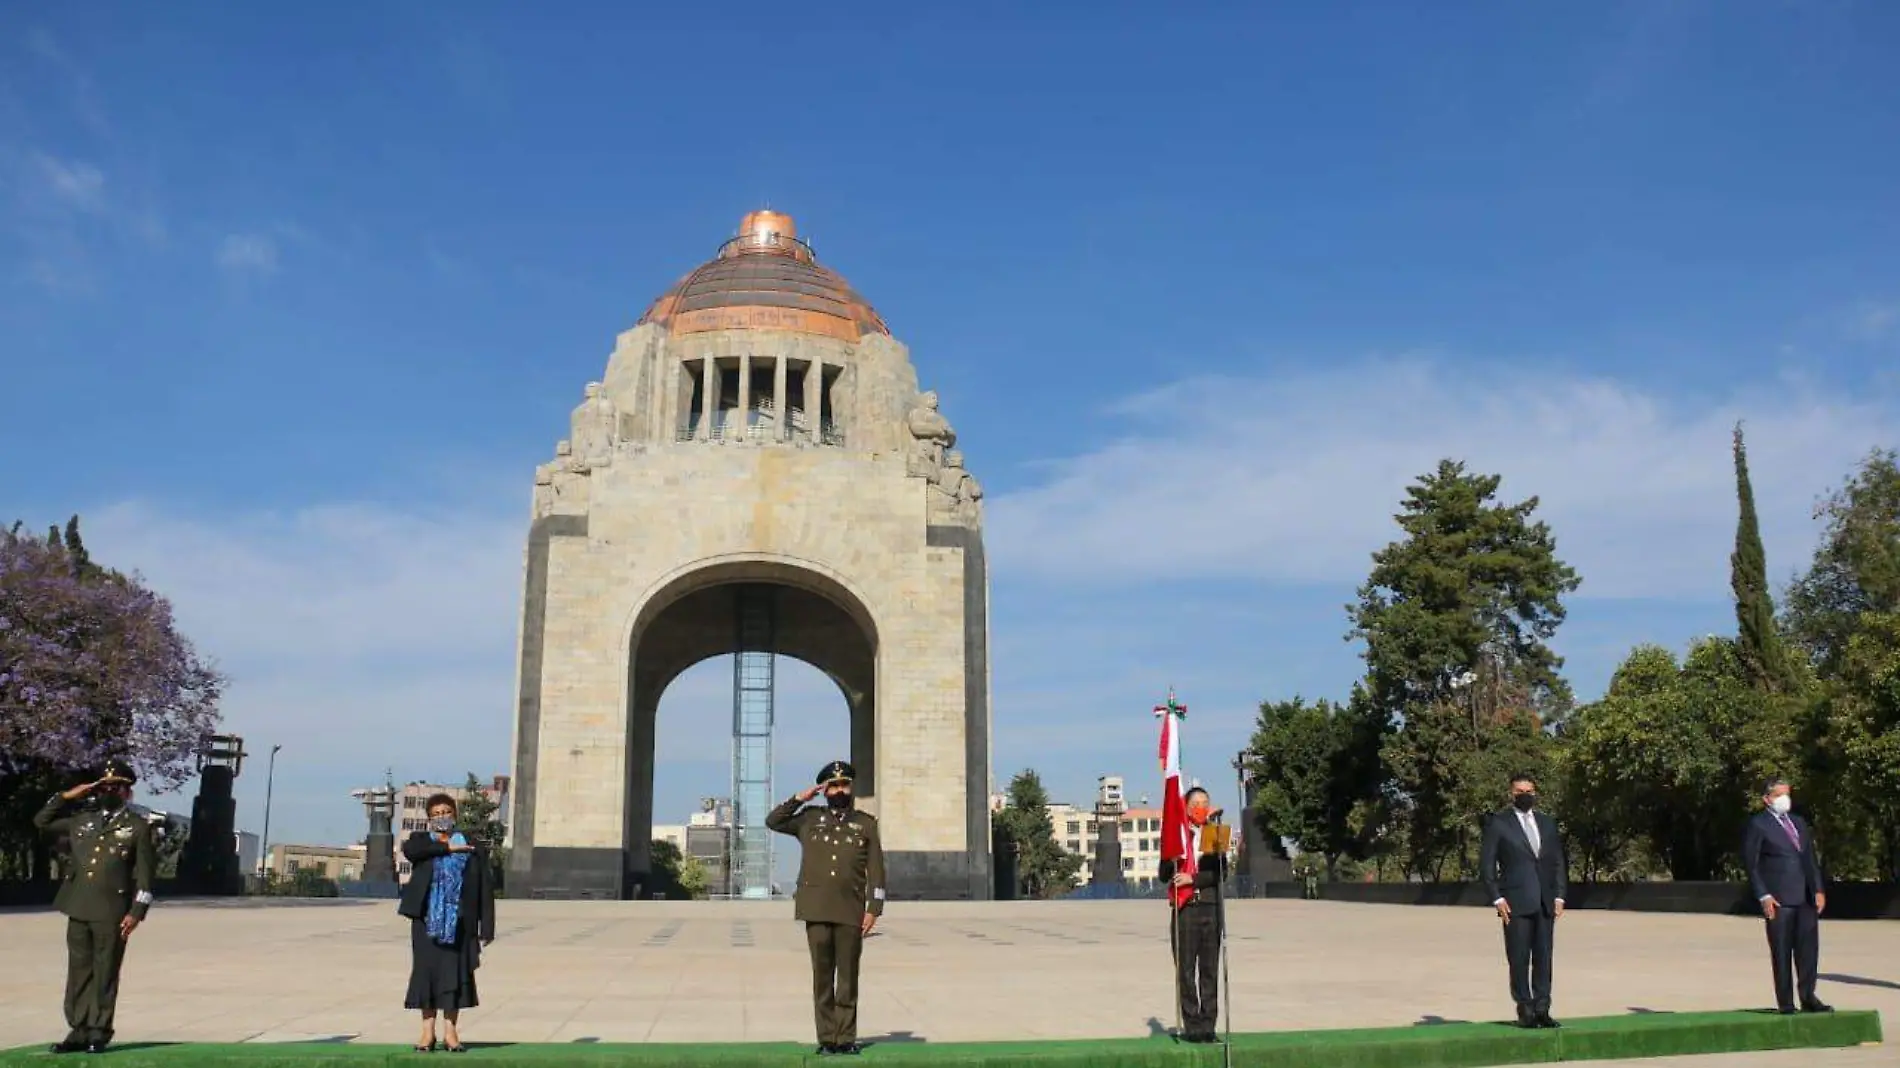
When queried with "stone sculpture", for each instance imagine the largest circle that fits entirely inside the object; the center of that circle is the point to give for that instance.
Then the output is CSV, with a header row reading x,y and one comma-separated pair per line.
x,y
595,429
931,436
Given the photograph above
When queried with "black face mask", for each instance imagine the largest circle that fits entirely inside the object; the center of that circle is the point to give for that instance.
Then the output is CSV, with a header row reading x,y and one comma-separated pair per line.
x,y
842,800
1525,802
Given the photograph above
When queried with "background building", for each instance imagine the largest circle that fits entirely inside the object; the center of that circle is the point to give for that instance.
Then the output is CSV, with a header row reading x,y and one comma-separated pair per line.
x,y
340,863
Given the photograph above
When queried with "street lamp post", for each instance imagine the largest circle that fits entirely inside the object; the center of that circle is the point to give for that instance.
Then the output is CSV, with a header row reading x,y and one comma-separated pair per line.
x,y
270,779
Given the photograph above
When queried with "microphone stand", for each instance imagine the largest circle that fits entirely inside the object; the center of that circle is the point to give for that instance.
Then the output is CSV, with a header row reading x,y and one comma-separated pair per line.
x,y
1226,989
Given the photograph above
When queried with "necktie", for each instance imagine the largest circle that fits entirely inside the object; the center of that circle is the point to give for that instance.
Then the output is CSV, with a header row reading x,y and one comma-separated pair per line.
x,y
1530,831
1788,826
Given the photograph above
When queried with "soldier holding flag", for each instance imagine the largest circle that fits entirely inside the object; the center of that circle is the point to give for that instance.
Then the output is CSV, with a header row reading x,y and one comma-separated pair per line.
x,y
1193,882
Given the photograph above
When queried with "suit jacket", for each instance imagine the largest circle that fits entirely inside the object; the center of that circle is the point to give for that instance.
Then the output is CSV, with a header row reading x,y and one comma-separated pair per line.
x,y
1529,882
477,918
1775,867
841,866
114,861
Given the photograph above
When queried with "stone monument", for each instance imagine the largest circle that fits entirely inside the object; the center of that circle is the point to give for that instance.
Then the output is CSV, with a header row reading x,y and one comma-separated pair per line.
x,y
757,471
379,846
1105,875
208,864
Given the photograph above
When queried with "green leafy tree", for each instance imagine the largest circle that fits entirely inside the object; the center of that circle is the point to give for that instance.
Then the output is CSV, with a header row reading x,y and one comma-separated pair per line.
x,y
1673,755
1472,581
1861,708
1043,868
1456,617
1314,766
1763,654
1838,611
478,817
1856,567
693,878
669,869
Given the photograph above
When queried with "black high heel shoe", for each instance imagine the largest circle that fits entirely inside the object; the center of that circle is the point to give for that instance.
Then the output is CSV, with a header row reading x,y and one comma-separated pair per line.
x,y
430,1048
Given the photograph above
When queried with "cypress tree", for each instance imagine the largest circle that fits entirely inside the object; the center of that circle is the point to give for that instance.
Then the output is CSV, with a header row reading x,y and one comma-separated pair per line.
x,y
1762,651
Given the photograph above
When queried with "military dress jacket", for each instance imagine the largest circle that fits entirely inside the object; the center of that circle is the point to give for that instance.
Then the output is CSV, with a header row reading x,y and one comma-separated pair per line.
x,y
841,872
114,861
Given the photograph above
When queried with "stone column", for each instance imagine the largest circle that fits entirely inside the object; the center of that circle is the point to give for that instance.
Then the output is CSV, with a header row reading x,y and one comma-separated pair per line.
x,y
745,397
781,418
708,397
814,388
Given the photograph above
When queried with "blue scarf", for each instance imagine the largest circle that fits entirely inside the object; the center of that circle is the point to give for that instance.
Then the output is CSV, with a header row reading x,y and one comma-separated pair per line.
x,y
445,893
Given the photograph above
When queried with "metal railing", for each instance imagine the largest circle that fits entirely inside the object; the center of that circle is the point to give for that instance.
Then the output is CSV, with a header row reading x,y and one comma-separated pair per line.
x,y
830,434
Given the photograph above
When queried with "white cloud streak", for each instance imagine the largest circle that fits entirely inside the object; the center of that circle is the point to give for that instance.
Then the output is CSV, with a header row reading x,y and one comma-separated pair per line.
x,y
1296,479
248,254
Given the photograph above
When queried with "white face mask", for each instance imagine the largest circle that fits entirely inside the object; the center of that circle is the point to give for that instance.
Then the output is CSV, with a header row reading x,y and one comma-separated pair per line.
x,y
1782,804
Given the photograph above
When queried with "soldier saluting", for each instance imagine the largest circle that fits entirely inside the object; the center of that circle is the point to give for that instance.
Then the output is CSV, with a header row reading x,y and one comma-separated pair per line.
x,y
840,896
105,895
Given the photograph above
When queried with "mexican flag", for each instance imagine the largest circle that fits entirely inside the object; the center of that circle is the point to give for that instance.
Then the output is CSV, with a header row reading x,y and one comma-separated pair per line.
x,y
1177,838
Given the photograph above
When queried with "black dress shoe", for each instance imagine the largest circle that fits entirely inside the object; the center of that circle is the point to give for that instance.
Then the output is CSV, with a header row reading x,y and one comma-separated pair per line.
x,y
96,1047
1816,1006
827,1049
1786,1010
1544,1020
847,1049
67,1045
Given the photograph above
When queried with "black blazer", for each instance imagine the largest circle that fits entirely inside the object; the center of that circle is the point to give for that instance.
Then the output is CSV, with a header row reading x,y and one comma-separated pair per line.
x,y
478,886
1530,883
1775,867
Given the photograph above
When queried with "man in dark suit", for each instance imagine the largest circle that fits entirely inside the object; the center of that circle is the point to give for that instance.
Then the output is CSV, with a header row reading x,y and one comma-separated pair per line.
x,y
1778,852
840,896
105,896
1526,875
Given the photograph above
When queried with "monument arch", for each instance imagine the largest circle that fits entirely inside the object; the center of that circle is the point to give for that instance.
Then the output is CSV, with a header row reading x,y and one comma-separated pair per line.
x,y
757,473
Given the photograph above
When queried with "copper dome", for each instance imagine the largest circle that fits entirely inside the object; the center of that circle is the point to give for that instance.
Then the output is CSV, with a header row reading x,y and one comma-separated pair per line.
x,y
765,279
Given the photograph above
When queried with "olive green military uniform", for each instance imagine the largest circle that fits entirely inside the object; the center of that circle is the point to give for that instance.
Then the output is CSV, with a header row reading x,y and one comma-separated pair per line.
x,y
109,878
840,880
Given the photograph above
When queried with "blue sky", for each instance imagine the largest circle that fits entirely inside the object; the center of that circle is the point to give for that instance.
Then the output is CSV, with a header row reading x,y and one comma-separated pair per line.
x,y
294,300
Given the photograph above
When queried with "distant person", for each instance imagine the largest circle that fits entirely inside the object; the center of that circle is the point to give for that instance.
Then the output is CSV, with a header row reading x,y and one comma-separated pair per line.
x,y
1778,853
1526,875
1196,931
840,897
105,895
450,903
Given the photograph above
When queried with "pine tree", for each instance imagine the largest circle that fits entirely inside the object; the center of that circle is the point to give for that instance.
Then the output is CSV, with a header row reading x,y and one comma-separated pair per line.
x,y
1763,654
1043,868
76,548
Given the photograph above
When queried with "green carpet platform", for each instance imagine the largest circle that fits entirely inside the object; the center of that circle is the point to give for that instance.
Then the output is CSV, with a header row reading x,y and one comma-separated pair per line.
x,y
1446,1045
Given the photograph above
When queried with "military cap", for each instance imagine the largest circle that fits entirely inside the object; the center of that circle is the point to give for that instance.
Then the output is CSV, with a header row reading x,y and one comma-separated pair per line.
x,y
118,771
837,771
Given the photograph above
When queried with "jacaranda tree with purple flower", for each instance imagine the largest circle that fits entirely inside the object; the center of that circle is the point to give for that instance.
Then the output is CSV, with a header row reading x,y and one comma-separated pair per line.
x,y
91,666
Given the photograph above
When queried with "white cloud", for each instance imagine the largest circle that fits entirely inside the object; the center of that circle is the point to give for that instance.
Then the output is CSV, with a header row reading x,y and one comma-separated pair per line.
x,y
1295,479
73,182
363,638
248,254
1873,321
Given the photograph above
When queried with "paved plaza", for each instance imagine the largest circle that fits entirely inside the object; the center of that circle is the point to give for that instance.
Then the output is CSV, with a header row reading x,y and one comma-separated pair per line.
x,y
249,970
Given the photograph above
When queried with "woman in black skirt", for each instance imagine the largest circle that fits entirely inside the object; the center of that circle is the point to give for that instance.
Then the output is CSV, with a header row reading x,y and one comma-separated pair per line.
x,y
450,902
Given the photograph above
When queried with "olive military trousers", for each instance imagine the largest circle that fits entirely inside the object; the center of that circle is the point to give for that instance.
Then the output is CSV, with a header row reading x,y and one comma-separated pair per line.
x,y
836,949
94,952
